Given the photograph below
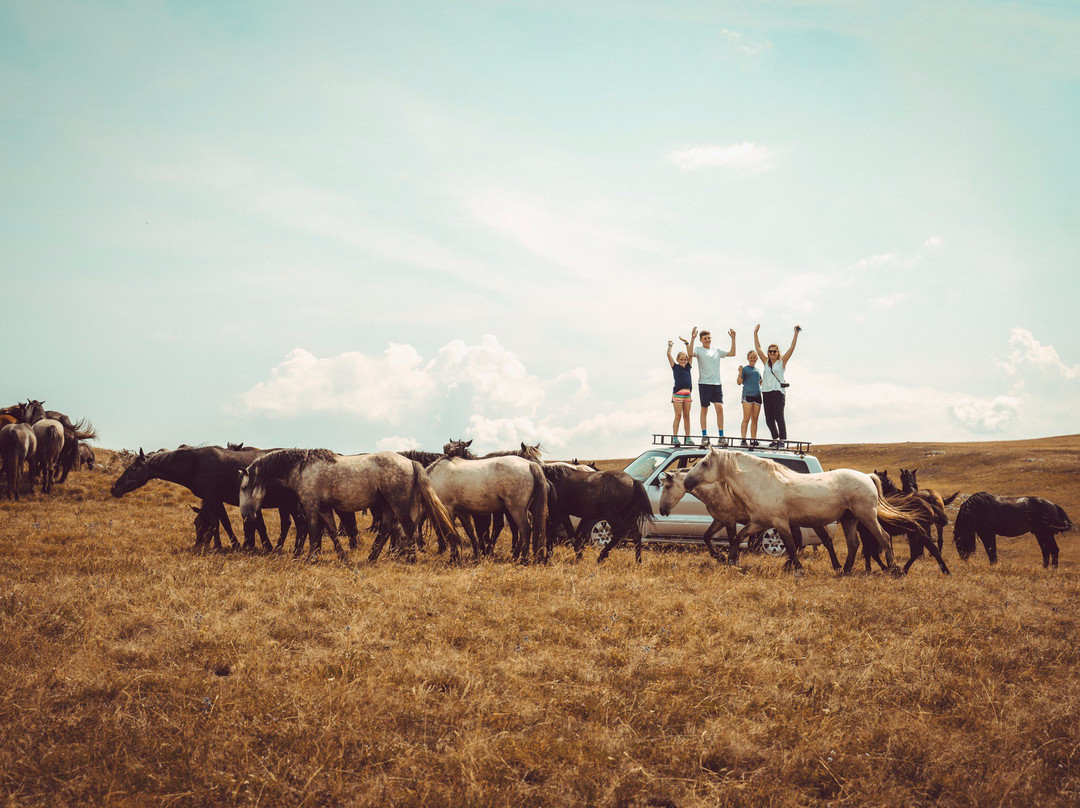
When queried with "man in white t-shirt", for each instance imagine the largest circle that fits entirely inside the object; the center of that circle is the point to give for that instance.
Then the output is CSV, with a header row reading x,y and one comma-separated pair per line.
x,y
709,388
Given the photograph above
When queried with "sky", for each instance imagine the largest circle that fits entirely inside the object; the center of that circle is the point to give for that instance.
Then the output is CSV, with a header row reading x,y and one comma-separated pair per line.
x,y
368,226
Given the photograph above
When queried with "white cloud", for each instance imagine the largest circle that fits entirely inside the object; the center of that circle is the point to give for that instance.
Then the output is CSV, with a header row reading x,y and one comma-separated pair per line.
x,y
934,242
1027,352
738,44
376,388
884,259
484,385
985,415
744,157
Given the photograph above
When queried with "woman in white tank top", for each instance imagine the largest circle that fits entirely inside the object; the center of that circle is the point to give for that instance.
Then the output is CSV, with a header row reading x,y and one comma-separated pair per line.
x,y
773,396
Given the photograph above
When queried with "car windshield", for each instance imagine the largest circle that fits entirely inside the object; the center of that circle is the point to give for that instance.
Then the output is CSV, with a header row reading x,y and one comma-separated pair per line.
x,y
645,465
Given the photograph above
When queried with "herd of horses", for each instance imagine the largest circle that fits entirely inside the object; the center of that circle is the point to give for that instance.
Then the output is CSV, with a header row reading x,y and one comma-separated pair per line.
x,y
45,441
407,492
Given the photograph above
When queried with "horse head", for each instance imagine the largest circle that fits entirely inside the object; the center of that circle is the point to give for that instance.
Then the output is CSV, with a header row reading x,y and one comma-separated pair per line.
x,y
532,453
459,448
887,485
252,490
710,469
33,411
234,447
136,475
909,481
674,488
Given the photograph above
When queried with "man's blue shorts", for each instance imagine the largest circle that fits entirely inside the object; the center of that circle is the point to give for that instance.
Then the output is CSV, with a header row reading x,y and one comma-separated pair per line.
x,y
710,394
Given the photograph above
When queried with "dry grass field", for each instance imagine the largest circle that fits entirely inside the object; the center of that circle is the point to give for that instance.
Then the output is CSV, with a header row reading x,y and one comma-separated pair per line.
x,y
135,672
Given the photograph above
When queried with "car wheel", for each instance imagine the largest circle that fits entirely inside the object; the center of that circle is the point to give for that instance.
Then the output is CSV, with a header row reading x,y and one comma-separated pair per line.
x,y
772,543
600,533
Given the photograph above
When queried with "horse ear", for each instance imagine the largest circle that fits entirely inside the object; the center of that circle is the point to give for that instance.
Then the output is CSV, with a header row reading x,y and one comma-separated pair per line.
x,y
197,510
665,476
141,455
469,442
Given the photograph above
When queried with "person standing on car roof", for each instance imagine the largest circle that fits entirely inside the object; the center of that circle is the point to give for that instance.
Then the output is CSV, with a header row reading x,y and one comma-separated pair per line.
x,y
680,393
773,386
709,389
750,379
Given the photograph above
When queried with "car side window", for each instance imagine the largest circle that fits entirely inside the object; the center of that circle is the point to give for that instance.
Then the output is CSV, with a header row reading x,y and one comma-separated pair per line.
x,y
792,463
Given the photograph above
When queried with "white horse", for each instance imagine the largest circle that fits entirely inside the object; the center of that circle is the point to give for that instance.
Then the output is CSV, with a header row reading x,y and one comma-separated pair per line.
x,y
50,441
324,482
490,486
727,510
777,497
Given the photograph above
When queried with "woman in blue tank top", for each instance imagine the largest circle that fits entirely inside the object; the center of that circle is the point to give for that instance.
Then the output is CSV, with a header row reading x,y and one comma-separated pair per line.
x,y
750,379
680,391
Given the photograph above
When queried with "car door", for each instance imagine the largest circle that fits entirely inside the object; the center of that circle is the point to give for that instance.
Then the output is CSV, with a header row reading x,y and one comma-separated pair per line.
x,y
689,517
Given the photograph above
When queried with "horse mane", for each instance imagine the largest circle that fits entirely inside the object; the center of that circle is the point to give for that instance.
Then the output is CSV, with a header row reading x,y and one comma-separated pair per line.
x,y
777,470
280,462
556,474
425,459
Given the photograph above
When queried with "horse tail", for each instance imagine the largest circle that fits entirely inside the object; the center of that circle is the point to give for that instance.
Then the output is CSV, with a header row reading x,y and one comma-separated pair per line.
x,y
900,517
83,430
425,502
1066,522
948,500
1057,520
538,508
640,507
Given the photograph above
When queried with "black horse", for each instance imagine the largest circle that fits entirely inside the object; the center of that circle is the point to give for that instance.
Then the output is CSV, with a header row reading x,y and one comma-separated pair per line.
x,y
213,475
612,496
988,516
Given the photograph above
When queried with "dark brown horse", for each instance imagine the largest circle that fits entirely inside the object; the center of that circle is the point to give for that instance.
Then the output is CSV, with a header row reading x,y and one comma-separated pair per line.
x,y
911,486
213,475
988,516
611,496
18,445
924,514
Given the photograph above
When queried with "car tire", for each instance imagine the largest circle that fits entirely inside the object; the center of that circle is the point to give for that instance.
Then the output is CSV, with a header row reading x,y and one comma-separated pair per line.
x,y
772,543
600,534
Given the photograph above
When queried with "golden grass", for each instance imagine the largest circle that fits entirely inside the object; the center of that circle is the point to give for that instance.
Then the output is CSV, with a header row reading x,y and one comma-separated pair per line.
x,y
136,673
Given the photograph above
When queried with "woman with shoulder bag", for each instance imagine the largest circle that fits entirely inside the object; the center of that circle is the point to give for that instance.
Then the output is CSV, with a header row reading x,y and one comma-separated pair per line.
x,y
773,386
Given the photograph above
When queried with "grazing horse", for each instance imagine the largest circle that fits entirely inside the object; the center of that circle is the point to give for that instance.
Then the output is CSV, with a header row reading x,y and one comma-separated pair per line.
x,y
86,456
324,481
491,485
211,474
727,511
18,445
988,516
911,486
50,442
777,497
613,496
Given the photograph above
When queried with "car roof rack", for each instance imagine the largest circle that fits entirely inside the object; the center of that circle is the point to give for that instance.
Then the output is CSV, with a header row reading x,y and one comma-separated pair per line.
x,y
799,447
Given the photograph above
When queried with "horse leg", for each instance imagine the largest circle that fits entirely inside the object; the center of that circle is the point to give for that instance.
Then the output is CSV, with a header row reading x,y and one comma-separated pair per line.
x,y
223,518
348,524
326,517
712,530
260,526
1044,546
793,562
613,542
825,537
467,525
989,541
851,536
923,540
284,520
497,522
1053,550
584,528
482,524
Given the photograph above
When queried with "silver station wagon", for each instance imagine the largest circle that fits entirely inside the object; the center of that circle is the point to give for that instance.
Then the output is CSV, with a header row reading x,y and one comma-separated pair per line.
x,y
689,520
